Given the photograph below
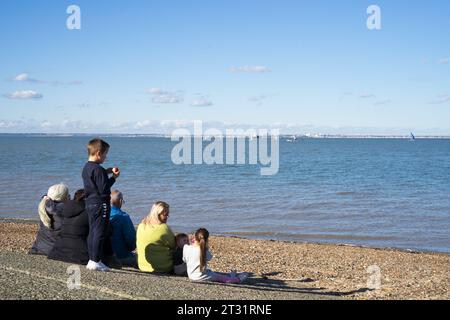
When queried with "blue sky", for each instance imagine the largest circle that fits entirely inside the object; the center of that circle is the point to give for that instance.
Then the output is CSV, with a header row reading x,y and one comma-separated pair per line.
x,y
149,66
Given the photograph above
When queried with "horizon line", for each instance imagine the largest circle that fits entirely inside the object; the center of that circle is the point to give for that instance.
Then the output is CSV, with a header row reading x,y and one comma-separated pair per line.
x,y
168,135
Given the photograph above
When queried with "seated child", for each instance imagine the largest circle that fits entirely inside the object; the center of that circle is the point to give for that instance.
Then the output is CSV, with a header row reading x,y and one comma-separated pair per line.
x,y
196,257
179,266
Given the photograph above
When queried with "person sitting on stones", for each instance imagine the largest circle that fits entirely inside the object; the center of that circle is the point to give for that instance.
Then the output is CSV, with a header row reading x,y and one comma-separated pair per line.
x,y
123,232
71,243
50,214
155,241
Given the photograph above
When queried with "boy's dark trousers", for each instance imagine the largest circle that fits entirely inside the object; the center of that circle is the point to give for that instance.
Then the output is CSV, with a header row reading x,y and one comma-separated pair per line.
x,y
99,242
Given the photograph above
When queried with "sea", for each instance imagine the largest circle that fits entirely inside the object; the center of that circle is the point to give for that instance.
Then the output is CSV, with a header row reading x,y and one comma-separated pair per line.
x,y
384,193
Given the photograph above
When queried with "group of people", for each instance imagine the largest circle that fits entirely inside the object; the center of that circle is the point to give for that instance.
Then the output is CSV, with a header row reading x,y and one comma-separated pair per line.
x,y
91,229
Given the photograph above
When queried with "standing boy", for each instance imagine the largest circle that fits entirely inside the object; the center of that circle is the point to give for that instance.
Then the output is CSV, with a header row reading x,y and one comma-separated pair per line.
x,y
97,186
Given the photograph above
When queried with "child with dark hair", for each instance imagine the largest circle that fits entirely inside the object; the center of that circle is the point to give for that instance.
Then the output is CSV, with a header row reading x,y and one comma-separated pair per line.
x,y
97,187
179,266
197,256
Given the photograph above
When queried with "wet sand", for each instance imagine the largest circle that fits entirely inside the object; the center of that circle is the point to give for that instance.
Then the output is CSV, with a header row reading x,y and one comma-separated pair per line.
x,y
312,270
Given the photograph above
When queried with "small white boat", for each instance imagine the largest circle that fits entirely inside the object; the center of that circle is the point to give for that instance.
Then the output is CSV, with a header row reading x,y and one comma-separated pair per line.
x,y
293,139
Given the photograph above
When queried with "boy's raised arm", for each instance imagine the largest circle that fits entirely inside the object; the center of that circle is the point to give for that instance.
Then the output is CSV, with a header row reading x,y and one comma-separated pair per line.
x,y
103,183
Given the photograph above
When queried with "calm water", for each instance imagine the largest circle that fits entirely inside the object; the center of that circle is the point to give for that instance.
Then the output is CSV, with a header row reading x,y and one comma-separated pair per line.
x,y
382,193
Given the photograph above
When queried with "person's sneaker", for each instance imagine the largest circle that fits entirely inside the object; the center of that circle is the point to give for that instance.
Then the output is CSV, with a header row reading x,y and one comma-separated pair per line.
x,y
243,276
103,267
96,266
91,265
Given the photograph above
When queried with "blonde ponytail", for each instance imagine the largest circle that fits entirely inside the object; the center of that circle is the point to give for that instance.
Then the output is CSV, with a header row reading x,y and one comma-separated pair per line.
x,y
43,215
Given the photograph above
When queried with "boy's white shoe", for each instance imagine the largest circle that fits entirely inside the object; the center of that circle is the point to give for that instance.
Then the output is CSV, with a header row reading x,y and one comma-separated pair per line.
x,y
90,265
96,266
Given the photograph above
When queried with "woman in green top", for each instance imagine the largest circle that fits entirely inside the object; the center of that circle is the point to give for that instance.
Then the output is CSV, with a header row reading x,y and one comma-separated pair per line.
x,y
155,241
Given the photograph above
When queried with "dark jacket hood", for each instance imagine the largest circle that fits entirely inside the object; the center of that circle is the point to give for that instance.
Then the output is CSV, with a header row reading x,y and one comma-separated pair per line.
x,y
54,208
73,208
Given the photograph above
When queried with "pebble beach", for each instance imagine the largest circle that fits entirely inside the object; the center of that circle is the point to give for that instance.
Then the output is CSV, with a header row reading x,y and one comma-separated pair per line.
x,y
327,270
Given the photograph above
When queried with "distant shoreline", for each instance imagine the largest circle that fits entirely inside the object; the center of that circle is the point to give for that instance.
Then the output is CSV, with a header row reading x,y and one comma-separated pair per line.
x,y
283,136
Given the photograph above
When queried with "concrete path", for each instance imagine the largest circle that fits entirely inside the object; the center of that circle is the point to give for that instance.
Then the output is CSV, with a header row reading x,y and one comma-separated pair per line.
x,y
35,277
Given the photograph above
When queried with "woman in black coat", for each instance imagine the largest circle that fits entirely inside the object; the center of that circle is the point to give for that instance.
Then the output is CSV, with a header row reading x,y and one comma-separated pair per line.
x,y
71,243
50,214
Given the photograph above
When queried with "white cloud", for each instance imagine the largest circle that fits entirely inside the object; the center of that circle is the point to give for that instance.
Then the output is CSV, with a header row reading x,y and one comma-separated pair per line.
x,y
144,124
444,61
24,95
175,123
46,124
201,101
156,91
260,99
370,97
250,69
84,105
8,124
345,95
382,102
366,95
21,77
164,96
440,99
24,77
167,99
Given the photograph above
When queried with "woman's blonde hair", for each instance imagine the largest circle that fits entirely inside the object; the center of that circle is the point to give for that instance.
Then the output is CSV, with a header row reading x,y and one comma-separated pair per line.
x,y
152,218
58,193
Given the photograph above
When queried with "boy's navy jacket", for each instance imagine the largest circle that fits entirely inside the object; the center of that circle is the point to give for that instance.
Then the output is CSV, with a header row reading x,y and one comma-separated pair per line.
x,y
97,184
124,234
